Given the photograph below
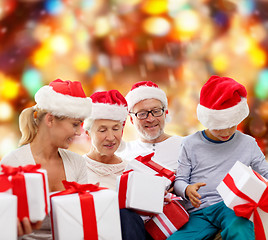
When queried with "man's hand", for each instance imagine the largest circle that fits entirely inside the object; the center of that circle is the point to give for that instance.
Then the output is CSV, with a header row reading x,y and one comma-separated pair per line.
x,y
26,227
192,194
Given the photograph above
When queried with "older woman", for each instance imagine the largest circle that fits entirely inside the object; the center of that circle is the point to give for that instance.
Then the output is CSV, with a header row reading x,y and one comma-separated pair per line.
x,y
48,128
105,128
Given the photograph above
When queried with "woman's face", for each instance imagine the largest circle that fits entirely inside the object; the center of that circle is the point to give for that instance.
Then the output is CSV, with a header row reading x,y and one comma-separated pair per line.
x,y
106,136
65,130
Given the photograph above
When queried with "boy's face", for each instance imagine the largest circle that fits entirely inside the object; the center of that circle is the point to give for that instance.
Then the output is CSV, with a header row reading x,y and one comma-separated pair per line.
x,y
221,134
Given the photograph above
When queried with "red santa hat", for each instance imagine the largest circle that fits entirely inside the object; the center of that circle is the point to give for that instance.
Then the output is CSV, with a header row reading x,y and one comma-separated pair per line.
x,y
223,103
107,105
64,98
145,90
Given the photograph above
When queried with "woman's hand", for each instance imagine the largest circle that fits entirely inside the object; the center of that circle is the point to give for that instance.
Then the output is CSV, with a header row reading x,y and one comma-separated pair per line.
x,y
193,195
26,227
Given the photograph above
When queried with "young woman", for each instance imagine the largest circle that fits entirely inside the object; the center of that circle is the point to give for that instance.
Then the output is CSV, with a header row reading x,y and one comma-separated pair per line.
x,y
48,128
105,129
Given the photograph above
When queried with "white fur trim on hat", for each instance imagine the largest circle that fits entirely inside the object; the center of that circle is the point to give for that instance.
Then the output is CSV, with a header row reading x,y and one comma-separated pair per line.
x,y
62,105
145,92
223,119
106,111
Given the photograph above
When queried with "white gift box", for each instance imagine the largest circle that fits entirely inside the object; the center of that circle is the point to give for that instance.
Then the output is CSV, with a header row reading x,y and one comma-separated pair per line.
x,y
37,196
139,166
248,183
67,216
142,192
8,216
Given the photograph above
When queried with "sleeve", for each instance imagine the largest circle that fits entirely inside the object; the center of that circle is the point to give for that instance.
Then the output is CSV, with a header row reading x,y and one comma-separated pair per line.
x,y
18,157
75,166
259,163
183,173
82,172
10,159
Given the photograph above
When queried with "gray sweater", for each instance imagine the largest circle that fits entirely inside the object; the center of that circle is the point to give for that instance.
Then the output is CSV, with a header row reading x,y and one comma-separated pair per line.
x,y
204,160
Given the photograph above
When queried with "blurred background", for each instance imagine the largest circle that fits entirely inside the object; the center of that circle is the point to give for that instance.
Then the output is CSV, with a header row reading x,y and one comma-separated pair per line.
x,y
111,44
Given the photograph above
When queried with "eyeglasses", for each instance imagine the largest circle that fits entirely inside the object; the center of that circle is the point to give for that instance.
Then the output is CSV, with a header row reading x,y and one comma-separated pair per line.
x,y
157,112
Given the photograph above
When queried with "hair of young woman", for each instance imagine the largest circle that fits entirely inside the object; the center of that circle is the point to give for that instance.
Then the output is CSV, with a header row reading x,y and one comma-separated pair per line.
x,y
29,120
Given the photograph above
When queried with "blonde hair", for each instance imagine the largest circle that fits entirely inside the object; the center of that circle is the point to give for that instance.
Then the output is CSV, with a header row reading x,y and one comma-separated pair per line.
x,y
29,120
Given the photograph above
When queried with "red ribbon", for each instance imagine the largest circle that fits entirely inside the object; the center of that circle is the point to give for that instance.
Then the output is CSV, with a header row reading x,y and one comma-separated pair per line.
x,y
163,172
87,206
19,188
247,209
122,191
5,184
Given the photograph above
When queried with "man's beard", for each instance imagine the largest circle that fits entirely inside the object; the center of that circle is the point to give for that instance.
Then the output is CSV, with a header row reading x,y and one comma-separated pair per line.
x,y
149,137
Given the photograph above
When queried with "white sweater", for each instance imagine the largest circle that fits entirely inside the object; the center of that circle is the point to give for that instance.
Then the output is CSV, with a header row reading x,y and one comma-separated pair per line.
x,y
74,164
166,153
104,174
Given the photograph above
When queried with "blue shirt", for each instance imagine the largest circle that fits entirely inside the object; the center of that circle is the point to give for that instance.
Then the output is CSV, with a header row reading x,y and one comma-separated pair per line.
x,y
204,160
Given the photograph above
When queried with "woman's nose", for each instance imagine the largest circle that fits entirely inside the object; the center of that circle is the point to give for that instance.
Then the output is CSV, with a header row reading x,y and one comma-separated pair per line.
x,y
110,135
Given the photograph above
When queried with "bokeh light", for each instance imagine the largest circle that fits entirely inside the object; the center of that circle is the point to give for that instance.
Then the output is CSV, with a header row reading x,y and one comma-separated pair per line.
x,y
155,7
9,88
261,88
60,44
53,7
186,24
6,112
156,26
32,80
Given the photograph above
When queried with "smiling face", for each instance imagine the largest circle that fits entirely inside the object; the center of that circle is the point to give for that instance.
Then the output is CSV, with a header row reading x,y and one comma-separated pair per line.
x,y
106,136
152,128
65,130
221,134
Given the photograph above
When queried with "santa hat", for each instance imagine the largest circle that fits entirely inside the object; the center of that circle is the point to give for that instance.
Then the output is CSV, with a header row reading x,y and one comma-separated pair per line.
x,y
107,105
64,98
145,90
223,103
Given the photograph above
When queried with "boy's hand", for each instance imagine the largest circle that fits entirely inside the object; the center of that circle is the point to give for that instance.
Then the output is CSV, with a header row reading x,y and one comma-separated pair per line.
x,y
192,194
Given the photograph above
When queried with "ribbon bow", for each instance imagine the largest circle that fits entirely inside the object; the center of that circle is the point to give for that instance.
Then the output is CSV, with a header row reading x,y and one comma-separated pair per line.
x,y
74,187
11,171
247,209
147,160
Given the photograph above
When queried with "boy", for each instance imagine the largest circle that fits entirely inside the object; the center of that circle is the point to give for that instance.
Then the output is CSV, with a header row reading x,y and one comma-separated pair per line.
x,y
208,155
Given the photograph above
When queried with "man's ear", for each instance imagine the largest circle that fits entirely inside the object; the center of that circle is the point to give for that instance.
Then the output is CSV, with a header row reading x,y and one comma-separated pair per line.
x,y
131,119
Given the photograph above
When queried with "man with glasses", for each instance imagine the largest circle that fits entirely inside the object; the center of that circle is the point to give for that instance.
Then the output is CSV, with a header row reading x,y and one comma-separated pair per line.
x,y
147,105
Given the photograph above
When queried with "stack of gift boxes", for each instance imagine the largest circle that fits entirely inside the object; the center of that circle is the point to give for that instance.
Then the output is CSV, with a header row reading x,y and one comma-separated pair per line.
x,y
80,212
142,188
91,212
88,211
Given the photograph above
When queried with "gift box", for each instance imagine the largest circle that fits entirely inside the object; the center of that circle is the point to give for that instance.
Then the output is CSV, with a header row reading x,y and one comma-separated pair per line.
x,y
145,164
163,225
142,192
85,212
8,216
30,185
246,192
